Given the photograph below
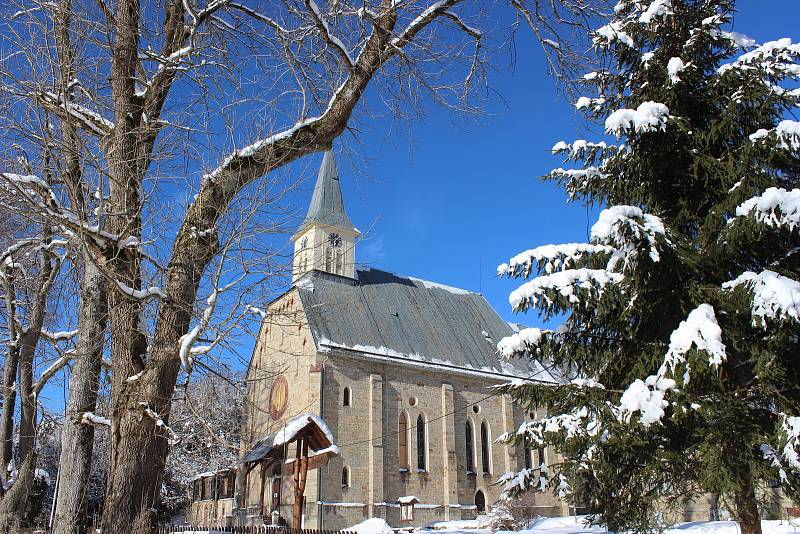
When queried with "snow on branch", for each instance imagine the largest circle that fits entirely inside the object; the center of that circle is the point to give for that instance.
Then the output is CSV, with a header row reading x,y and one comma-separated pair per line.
x,y
159,423
90,418
564,283
327,34
140,294
657,9
699,330
647,397
774,296
790,426
59,336
86,119
774,58
647,117
549,258
625,228
610,33
776,207
525,341
580,148
51,371
786,135
431,12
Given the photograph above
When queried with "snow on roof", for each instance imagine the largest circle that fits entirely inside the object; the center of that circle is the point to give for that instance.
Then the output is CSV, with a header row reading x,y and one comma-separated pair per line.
x,y
297,424
408,499
389,317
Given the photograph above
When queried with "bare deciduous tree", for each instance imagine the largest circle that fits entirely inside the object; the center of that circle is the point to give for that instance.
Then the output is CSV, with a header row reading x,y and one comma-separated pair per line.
x,y
129,97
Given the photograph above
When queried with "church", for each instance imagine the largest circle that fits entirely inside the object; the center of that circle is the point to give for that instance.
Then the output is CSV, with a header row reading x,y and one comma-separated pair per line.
x,y
399,370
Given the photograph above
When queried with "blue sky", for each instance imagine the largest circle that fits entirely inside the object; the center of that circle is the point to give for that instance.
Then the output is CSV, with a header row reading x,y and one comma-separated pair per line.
x,y
448,200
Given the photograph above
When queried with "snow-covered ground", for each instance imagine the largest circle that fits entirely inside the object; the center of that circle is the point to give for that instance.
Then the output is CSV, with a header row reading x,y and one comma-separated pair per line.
x,y
578,525
566,525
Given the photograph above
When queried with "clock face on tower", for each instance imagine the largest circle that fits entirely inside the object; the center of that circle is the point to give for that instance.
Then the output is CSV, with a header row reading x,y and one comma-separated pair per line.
x,y
335,240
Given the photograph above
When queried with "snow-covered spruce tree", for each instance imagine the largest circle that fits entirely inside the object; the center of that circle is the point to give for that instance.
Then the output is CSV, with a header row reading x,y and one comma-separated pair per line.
x,y
682,312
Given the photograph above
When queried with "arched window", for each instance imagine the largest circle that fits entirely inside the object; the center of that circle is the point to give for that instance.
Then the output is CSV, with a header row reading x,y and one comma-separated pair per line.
x,y
402,434
422,444
345,477
469,442
480,501
485,458
528,453
346,396
339,262
542,459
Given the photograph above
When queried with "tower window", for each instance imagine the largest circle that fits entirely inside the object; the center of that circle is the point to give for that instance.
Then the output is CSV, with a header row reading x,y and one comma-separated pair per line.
x,y
345,477
485,457
542,459
339,262
346,396
528,462
469,439
422,444
329,259
402,434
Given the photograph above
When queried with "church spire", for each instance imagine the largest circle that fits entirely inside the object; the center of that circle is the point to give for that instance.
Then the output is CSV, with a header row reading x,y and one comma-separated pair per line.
x,y
325,240
327,205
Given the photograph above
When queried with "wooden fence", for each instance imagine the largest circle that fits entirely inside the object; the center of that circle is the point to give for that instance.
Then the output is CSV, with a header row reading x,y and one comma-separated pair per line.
x,y
265,529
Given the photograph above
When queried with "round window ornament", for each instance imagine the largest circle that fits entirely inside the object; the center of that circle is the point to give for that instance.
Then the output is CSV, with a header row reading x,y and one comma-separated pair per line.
x,y
412,401
278,397
476,408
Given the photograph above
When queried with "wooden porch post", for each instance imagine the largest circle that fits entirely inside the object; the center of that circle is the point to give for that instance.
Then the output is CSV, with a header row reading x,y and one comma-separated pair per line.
x,y
300,472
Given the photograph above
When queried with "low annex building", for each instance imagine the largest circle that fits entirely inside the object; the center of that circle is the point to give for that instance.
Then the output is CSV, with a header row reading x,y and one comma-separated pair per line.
x,y
401,370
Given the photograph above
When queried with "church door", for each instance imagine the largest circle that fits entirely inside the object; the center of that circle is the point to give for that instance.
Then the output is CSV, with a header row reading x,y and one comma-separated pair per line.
x,y
275,496
480,502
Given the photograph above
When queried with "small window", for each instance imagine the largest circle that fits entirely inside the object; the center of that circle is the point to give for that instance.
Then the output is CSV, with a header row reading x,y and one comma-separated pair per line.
x,y
469,439
345,477
346,396
422,444
528,453
542,459
485,457
402,435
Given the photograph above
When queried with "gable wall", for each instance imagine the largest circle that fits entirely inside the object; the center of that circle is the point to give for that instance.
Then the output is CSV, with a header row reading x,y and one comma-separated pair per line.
x,y
284,347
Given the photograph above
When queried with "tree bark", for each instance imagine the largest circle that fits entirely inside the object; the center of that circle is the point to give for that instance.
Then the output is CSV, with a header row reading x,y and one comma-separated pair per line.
x,y
746,504
78,438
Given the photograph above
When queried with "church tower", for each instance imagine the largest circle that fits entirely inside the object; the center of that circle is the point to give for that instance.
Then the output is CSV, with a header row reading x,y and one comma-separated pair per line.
x,y
326,239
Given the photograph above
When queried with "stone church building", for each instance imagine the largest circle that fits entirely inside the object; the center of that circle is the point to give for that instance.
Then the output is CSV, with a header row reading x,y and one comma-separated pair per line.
x,y
400,369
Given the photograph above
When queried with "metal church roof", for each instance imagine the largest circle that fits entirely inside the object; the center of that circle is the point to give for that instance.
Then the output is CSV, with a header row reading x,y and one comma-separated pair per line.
x,y
327,206
386,316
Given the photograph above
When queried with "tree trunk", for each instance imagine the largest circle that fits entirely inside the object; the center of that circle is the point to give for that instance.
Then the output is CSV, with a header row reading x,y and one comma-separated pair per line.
x,y
9,377
12,507
139,446
747,506
77,439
